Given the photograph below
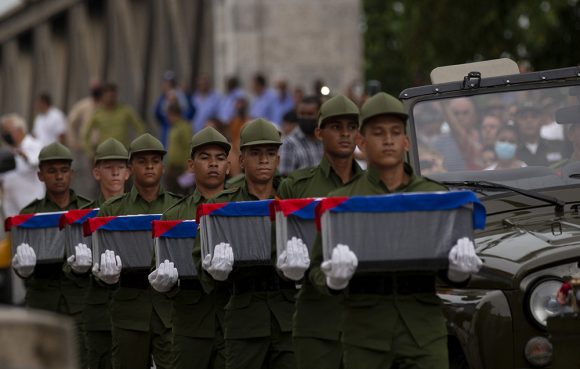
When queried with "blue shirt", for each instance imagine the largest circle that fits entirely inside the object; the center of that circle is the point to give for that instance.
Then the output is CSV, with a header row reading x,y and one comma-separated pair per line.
x,y
206,107
263,106
227,108
187,112
281,107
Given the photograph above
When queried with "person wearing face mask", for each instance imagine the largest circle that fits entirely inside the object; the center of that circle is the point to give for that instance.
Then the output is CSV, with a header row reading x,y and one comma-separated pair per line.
x,y
21,185
301,148
505,150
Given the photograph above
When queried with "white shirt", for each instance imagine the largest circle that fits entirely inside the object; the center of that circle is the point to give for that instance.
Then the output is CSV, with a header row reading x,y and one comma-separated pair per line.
x,y
48,127
21,185
552,131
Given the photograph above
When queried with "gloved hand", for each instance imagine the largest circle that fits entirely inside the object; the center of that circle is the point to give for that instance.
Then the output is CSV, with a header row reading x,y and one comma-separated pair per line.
x,y
220,265
82,260
463,261
340,268
294,261
109,270
24,260
164,277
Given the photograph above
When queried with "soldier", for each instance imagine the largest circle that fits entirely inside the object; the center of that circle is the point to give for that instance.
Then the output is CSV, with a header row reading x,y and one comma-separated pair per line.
x,y
54,286
394,318
318,317
140,316
258,316
198,338
111,172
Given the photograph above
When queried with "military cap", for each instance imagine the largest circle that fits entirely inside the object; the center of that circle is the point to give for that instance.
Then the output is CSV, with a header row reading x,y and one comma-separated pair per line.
x,y
207,136
382,104
111,149
337,106
259,132
146,142
55,151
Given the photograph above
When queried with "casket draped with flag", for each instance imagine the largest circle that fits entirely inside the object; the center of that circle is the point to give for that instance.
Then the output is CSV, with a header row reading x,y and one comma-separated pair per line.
x,y
407,231
41,232
294,218
71,223
246,226
129,236
174,241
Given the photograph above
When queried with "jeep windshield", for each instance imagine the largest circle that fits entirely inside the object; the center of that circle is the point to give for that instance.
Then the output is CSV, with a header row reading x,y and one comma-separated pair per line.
x,y
510,138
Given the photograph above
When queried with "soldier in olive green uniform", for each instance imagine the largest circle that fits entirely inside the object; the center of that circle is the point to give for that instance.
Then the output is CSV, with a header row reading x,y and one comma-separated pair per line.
x,y
111,172
55,287
318,317
258,316
198,338
140,316
392,318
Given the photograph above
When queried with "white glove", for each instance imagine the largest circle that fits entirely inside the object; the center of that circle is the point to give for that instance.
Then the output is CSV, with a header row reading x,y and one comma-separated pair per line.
x,y
164,277
82,260
24,260
463,261
220,266
294,261
340,268
109,270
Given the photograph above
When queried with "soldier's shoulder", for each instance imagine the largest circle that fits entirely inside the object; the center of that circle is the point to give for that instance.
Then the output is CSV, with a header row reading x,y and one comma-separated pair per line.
x,y
225,195
174,196
31,207
302,174
172,212
83,202
428,184
114,201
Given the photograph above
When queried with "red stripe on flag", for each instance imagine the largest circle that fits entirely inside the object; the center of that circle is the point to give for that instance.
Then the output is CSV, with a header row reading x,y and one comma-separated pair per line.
x,y
327,204
162,226
93,224
71,216
288,207
207,209
16,220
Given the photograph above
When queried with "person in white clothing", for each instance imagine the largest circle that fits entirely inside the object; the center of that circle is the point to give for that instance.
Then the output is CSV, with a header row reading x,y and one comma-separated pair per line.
x,y
21,185
50,123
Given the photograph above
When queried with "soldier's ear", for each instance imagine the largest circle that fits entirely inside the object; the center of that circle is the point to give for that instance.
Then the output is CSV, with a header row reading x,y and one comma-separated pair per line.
x,y
317,132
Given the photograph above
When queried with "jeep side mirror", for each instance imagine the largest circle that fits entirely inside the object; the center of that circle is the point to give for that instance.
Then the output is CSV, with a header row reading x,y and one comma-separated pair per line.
x,y
568,115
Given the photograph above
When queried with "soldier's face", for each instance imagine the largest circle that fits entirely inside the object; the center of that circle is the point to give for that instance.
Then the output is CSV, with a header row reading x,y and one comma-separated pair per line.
x,y
56,175
260,162
338,136
385,142
210,166
147,168
112,175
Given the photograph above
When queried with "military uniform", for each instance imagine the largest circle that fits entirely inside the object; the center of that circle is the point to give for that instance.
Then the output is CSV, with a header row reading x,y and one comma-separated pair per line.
x,y
140,316
198,338
55,287
318,317
96,315
393,316
258,316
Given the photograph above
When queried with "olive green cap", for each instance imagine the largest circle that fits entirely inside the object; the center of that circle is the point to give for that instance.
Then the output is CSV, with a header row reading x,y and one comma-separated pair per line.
x,y
146,142
337,106
209,136
382,104
55,151
260,132
111,149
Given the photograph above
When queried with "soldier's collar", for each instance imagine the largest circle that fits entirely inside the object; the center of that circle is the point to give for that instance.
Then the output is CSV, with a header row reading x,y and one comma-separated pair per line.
x,y
134,193
72,199
246,192
327,168
373,176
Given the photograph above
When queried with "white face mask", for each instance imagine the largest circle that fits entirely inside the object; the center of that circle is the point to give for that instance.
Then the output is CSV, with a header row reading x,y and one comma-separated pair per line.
x,y
505,150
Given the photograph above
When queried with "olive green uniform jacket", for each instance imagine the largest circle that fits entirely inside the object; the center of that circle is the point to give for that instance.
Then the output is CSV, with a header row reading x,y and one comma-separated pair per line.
x,y
317,315
366,325
52,285
131,308
249,312
96,316
195,312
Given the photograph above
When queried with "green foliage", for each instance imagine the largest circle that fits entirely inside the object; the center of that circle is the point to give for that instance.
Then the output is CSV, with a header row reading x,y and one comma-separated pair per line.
x,y
406,39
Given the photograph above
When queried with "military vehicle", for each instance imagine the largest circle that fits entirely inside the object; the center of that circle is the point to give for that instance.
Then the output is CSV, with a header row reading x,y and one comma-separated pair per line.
x,y
514,139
